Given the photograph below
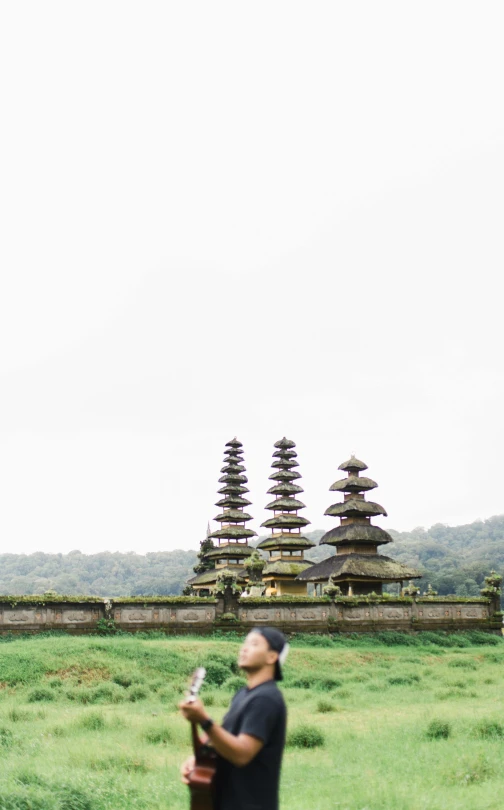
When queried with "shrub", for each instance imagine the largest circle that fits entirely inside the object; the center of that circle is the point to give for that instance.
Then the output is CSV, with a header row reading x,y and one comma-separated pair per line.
x,y
329,683
404,680
123,679
94,721
106,693
305,737
17,715
40,693
6,738
438,730
137,693
462,663
325,706
158,735
234,683
70,798
217,673
489,729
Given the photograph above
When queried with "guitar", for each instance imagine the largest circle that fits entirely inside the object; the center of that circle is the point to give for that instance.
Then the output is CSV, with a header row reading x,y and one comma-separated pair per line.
x,y
201,778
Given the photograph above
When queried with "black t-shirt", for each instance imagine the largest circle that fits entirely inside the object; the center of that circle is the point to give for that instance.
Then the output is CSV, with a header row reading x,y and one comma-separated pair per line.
x,y
261,713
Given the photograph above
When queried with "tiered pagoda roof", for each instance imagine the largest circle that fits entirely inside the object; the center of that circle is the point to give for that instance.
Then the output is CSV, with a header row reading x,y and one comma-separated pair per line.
x,y
232,535
356,540
286,544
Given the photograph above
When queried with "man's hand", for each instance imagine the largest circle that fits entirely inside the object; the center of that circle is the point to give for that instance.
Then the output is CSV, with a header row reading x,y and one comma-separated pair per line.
x,y
194,711
186,768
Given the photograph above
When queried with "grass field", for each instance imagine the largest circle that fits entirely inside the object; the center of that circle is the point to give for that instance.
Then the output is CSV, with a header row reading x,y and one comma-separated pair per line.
x,y
90,723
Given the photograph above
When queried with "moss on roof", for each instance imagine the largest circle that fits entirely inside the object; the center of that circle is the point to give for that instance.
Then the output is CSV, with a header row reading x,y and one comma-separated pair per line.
x,y
354,483
233,468
229,488
285,463
285,504
233,516
233,478
284,475
232,550
353,464
356,533
284,443
284,454
210,577
287,541
287,521
285,488
355,507
232,532
367,566
284,568
233,500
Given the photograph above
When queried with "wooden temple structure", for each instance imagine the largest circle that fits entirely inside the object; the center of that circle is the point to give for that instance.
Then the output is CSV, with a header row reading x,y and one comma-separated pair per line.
x,y
287,545
356,568
232,549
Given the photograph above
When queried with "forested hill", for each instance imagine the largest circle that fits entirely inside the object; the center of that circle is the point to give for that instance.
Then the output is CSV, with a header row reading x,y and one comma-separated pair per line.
x,y
454,559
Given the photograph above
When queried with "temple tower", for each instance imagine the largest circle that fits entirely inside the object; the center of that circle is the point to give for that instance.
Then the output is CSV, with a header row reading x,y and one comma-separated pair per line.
x,y
286,545
232,537
356,567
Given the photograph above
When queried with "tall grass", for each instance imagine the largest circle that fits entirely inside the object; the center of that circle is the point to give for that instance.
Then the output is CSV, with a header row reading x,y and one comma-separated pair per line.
x,y
382,723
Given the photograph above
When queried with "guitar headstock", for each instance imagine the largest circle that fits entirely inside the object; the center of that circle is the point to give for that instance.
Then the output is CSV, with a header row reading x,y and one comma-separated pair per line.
x,y
196,682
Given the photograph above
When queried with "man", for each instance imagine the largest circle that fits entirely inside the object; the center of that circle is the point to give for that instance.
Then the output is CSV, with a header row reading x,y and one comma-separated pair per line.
x,y
251,739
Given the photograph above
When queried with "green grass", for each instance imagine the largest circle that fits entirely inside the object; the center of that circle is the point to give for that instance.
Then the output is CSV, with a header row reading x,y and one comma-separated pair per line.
x,y
375,723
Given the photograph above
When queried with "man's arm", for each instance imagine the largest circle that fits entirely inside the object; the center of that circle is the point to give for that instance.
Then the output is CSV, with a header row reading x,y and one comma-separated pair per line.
x,y
238,750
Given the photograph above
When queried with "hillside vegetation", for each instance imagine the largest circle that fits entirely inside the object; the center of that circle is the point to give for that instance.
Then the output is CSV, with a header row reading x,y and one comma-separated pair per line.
x,y
385,723
454,559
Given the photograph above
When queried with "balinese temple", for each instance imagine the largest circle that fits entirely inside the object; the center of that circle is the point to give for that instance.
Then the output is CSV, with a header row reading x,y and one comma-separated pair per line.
x,y
286,546
231,549
356,568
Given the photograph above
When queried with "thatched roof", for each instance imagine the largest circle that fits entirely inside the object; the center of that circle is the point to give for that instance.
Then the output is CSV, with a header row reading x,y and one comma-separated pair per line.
x,y
285,521
287,541
354,483
233,468
233,500
230,488
285,463
285,488
233,533
234,443
233,516
284,475
233,478
285,568
210,577
367,566
285,454
284,443
353,465
285,505
356,533
232,550
355,507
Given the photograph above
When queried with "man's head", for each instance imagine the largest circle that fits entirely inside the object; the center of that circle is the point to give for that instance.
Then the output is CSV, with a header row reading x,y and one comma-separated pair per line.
x,y
263,647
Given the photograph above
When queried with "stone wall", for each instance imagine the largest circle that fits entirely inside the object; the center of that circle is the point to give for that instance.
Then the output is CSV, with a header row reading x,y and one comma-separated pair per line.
x,y
190,615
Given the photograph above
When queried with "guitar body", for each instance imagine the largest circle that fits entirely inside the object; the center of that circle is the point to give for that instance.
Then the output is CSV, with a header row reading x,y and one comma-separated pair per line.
x,y
202,777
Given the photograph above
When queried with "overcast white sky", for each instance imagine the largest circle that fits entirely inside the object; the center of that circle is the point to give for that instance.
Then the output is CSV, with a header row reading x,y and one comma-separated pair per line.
x,y
253,219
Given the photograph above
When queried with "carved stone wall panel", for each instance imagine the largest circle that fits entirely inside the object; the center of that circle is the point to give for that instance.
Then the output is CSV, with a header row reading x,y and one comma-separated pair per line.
x,y
196,615
354,614
473,612
136,615
19,617
76,616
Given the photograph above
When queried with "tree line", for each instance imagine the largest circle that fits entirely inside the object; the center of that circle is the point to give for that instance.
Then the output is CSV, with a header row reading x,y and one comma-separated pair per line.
x,y
454,559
